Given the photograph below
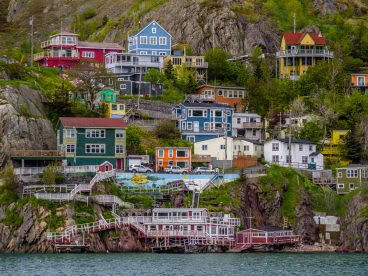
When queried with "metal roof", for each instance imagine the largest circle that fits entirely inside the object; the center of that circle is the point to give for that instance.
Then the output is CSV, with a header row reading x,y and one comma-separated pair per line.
x,y
83,122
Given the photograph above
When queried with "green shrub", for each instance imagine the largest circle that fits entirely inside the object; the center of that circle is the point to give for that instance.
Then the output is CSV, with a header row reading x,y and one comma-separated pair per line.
x,y
108,215
82,219
49,175
89,13
54,221
7,196
80,207
12,218
25,111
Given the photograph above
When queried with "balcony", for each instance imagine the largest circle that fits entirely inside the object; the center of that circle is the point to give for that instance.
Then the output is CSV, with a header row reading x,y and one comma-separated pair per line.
x,y
37,153
200,98
304,53
196,64
44,55
203,130
48,43
253,125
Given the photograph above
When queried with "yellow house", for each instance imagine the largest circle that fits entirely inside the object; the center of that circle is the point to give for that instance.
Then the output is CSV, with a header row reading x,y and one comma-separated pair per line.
x,y
196,63
333,151
299,52
114,110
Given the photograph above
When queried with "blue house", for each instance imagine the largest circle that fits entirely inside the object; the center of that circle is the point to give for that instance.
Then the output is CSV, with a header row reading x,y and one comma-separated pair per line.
x,y
202,121
151,40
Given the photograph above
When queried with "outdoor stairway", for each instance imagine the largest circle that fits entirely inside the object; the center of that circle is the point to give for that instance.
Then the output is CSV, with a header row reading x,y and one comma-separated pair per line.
x,y
195,199
216,179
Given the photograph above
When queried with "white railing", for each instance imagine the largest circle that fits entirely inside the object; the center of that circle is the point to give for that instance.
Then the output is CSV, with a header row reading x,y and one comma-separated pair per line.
x,y
305,52
298,165
110,200
69,169
32,189
54,196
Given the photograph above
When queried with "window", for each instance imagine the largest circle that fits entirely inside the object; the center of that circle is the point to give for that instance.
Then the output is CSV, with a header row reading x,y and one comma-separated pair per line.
x,y
171,163
287,159
204,147
351,186
119,133
275,146
222,147
161,153
300,147
95,148
143,40
160,163
238,120
197,113
162,40
162,54
246,148
184,126
154,53
143,53
114,107
361,81
352,173
220,93
206,126
70,148
191,139
189,125
304,159
310,148
218,113
182,164
153,40
341,186
121,107
181,153
123,86
119,149
70,132
95,133
275,158
254,132
86,54
154,30
230,93
171,153
339,174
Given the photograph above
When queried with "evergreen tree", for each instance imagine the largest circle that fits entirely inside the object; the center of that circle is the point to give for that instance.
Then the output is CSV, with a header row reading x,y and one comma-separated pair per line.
x,y
169,71
353,148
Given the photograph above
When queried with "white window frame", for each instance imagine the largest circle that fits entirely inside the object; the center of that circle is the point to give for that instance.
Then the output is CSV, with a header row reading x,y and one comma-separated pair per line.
x,y
70,148
339,174
305,159
162,40
161,153
171,153
119,149
154,30
204,147
143,52
351,188
274,159
70,132
191,139
207,126
143,40
95,133
275,147
153,40
123,86
189,125
340,186
99,148
88,54
119,133
186,154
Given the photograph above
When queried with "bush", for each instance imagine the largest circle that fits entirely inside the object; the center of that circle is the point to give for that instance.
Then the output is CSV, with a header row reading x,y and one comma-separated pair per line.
x,y
89,13
49,175
8,176
54,221
12,218
25,111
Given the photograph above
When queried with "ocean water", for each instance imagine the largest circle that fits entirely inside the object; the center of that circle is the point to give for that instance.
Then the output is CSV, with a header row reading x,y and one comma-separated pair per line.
x,y
185,264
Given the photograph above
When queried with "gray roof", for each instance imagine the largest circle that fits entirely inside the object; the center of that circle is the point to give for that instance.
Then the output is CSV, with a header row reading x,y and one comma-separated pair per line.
x,y
314,153
249,140
206,105
355,166
295,141
105,45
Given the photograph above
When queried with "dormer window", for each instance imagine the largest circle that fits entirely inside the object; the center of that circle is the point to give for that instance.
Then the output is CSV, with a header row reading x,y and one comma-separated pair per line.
x,y
154,30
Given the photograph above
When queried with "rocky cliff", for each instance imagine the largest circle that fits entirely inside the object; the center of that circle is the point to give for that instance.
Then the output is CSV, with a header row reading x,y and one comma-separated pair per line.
x,y
23,123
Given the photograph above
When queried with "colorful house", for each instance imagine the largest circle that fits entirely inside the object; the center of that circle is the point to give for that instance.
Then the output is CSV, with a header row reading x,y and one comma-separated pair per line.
x,y
248,125
173,156
333,150
115,110
299,52
203,121
351,177
360,81
92,141
230,95
107,95
153,40
196,63
64,50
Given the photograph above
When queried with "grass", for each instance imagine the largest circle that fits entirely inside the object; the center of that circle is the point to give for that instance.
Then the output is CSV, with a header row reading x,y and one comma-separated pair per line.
x,y
12,218
139,201
83,213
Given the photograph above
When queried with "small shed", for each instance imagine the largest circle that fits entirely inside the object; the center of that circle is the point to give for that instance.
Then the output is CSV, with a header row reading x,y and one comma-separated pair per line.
x,y
105,167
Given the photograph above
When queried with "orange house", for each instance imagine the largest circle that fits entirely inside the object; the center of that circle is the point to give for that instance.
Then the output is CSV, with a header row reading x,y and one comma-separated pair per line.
x,y
171,156
359,81
231,95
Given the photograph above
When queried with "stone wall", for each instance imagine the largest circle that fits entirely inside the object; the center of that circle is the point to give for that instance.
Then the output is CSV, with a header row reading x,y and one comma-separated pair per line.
x,y
154,109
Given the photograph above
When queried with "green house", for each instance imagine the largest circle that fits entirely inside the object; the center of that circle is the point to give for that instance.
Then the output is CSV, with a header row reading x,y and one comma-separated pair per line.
x,y
107,95
92,141
351,177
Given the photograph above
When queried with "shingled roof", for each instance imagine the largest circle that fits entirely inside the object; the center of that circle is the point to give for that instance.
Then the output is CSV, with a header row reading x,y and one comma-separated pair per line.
x,y
99,45
296,38
82,122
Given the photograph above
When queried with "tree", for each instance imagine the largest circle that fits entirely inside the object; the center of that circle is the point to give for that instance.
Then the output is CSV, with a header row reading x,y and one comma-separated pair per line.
x,y
353,148
169,71
89,79
49,175
8,177
311,132
155,76
219,68
133,140
167,130
186,81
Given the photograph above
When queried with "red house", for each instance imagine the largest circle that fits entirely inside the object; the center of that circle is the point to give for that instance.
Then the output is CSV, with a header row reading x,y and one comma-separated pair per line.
x,y
105,167
64,50
266,235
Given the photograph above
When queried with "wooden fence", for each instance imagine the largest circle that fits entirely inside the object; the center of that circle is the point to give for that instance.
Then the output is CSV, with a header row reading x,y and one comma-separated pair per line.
x,y
245,161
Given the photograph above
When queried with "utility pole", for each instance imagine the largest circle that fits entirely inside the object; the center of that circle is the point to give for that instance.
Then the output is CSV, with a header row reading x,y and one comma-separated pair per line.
x,y
31,23
290,137
294,23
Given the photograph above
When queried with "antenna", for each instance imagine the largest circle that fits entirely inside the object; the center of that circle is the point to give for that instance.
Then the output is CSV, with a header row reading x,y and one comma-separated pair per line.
x,y
294,22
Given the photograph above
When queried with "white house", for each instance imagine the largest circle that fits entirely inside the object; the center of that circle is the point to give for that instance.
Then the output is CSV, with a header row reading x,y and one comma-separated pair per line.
x,y
215,147
248,125
243,146
303,153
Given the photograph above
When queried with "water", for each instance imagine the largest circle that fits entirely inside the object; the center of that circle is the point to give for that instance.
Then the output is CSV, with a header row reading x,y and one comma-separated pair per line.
x,y
184,264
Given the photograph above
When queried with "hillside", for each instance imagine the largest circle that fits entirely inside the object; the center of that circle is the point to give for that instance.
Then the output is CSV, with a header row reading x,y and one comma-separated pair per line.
x,y
234,25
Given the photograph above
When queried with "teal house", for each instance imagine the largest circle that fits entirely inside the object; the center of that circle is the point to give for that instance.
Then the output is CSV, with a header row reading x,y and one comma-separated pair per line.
x,y
92,141
107,95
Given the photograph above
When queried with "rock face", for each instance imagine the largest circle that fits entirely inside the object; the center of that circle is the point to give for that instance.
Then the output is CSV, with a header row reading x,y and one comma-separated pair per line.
x,y
23,124
354,234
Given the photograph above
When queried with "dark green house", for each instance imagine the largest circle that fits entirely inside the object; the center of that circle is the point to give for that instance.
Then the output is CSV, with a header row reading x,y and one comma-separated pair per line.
x,y
107,95
351,177
92,141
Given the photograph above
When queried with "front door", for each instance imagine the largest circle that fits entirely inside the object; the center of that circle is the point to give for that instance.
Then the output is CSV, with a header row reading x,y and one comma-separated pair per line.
x,y
119,164
196,126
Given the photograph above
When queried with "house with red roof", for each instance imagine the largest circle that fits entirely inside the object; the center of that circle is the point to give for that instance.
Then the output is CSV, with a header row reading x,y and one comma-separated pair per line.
x,y
92,141
64,50
299,52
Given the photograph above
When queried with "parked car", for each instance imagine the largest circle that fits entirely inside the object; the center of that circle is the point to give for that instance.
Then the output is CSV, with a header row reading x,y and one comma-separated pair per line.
x,y
176,169
203,170
140,168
